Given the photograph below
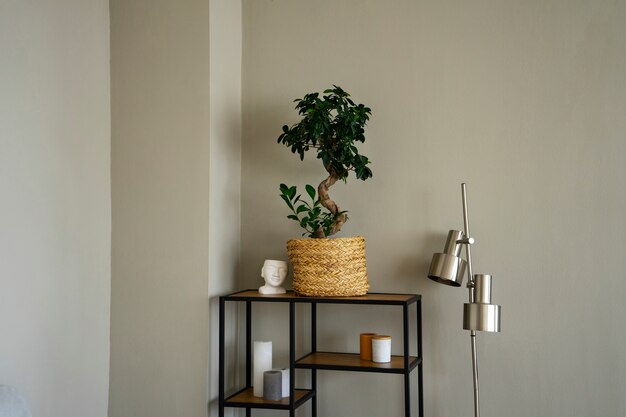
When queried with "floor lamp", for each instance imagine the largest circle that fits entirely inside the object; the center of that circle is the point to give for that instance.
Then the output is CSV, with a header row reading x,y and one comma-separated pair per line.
x,y
449,268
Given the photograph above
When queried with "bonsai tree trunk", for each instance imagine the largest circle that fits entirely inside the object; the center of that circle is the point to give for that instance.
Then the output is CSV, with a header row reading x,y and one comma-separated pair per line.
x,y
327,202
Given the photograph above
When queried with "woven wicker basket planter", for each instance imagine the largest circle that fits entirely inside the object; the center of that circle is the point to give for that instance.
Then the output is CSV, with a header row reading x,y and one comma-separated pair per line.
x,y
329,267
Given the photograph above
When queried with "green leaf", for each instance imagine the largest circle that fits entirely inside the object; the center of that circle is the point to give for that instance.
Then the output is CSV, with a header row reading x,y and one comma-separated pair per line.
x,y
293,217
287,201
311,191
302,209
291,192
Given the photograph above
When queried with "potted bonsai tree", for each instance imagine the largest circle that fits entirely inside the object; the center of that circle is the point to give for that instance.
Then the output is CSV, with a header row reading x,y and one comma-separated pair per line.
x,y
331,125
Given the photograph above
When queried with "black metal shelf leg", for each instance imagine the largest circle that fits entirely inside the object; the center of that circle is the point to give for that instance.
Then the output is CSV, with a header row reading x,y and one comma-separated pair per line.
x,y
420,374
407,375
292,358
221,358
314,349
248,344
248,350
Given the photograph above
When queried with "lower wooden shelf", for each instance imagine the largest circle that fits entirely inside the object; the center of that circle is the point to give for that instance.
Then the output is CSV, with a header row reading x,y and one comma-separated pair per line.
x,y
353,362
246,399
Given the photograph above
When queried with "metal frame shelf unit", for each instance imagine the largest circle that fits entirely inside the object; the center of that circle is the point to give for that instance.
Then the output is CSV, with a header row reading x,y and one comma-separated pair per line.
x,y
316,360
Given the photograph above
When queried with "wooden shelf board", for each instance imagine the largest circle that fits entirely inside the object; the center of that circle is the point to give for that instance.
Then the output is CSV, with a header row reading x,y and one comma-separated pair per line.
x,y
246,398
353,361
373,298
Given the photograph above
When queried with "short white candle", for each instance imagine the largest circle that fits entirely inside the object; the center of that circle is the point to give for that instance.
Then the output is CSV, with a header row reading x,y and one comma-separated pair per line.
x,y
381,349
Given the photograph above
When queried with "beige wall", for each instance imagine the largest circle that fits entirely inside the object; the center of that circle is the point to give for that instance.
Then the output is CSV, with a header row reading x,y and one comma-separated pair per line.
x,y
160,187
55,210
225,177
526,102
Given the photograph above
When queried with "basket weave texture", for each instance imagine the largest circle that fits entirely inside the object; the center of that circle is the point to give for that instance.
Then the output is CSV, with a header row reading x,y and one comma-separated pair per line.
x,y
329,267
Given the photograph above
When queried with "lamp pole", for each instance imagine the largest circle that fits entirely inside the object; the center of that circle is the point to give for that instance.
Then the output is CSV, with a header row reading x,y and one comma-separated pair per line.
x,y
449,268
470,286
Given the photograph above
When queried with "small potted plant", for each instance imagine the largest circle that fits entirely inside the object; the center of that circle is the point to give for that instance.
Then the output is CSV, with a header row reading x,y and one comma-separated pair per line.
x,y
331,125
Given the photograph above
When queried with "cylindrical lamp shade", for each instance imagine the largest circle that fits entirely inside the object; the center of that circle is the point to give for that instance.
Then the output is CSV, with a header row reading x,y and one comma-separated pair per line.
x,y
481,317
447,269
482,288
262,362
452,246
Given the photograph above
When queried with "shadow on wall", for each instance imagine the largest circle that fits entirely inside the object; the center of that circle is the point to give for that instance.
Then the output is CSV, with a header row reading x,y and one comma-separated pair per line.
x,y
266,123
417,266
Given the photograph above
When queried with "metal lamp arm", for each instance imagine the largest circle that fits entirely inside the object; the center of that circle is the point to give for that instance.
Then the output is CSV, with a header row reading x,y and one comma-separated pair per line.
x,y
470,274
468,241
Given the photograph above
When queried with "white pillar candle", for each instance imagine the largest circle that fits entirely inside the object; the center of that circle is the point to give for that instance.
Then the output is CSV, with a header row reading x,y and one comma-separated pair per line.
x,y
285,372
262,362
381,349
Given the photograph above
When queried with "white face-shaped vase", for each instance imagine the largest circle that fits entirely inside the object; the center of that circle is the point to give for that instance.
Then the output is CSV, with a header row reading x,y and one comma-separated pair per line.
x,y
274,273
